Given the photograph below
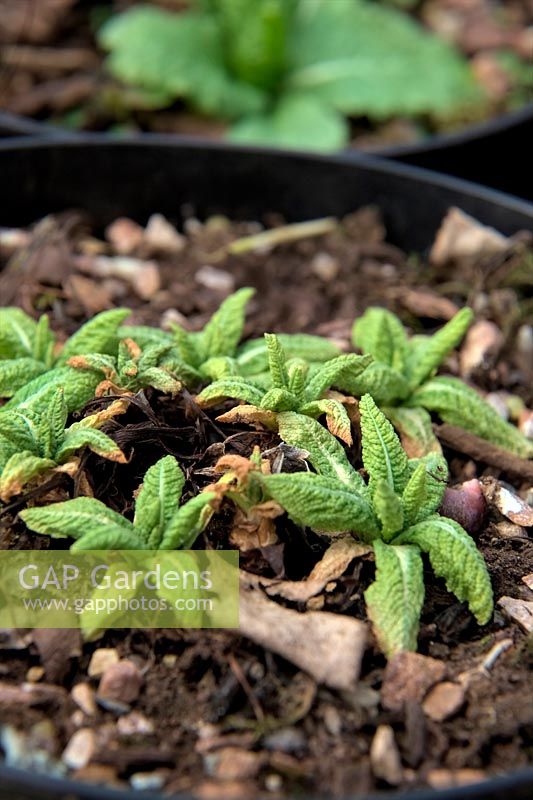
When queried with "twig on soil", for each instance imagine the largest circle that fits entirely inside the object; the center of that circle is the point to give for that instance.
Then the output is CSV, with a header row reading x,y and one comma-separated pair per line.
x,y
247,689
276,236
481,450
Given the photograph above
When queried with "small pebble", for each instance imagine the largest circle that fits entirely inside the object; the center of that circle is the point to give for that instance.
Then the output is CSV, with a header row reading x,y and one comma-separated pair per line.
x,y
83,696
101,659
325,267
125,235
80,749
288,740
160,236
131,724
217,279
385,757
34,674
148,781
120,683
273,782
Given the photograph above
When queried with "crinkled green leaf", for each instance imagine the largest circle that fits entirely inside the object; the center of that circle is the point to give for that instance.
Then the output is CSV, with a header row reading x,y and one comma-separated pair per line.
x,y
365,59
78,386
44,341
325,453
144,335
252,356
16,372
277,362
17,333
158,499
388,508
414,496
99,335
385,384
235,388
52,425
279,400
21,428
75,519
381,334
223,332
322,503
436,480
415,428
109,538
95,440
179,55
299,120
20,469
219,368
458,404
160,379
383,456
337,418
188,522
297,370
394,601
338,372
454,556
425,359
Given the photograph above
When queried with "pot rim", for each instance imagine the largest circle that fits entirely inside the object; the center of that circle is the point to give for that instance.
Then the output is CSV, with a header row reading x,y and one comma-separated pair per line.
x,y
372,163
17,125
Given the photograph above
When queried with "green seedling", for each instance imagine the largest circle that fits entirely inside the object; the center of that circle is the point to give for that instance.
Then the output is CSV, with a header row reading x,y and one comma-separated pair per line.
x,y
33,443
292,388
160,523
396,512
402,381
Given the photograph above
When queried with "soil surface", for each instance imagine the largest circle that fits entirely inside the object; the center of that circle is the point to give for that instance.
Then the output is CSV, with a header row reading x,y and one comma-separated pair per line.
x,y
216,714
51,68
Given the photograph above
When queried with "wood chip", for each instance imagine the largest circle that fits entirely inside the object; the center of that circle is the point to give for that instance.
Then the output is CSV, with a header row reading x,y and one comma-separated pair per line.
x,y
520,611
528,580
142,276
80,749
480,450
101,660
56,647
385,757
482,344
507,502
425,303
444,700
329,647
461,236
407,678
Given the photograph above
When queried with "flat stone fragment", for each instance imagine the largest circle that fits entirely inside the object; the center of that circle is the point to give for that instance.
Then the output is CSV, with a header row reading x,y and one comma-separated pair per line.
x,y
121,682
408,676
385,757
101,659
520,611
444,700
80,749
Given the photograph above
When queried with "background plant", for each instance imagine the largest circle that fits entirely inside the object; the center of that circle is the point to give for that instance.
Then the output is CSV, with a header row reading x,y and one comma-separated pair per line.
x,y
287,72
34,442
160,523
401,380
292,388
395,513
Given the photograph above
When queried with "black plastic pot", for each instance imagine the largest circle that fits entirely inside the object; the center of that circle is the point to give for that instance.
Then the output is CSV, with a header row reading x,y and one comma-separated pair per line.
x,y
112,178
495,153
